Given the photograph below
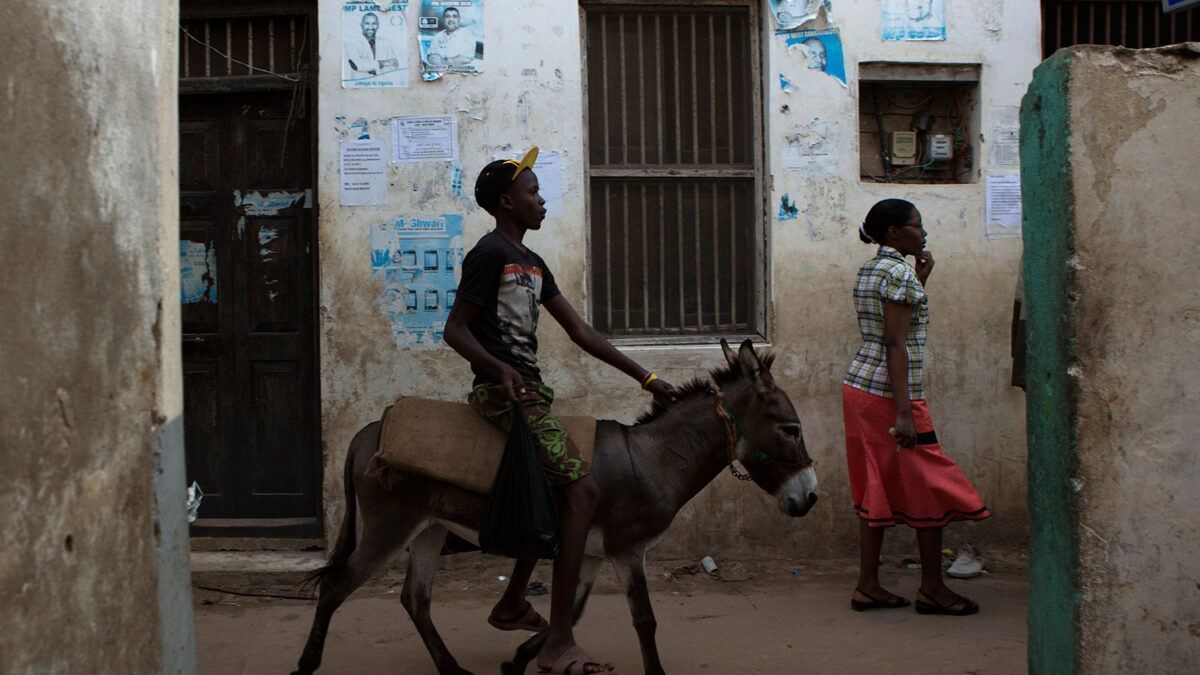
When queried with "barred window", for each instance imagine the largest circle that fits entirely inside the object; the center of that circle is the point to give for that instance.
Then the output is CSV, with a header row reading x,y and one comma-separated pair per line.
x,y
674,165
1129,23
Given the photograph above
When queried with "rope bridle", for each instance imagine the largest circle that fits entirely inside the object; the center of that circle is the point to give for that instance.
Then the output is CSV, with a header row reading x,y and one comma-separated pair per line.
x,y
730,423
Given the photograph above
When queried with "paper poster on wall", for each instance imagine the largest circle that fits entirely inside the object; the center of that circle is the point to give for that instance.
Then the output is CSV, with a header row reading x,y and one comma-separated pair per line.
x,y
1002,217
419,262
914,20
791,14
550,185
363,167
821,49
811,148
450,37
197,272
1004,140
424,138
374,48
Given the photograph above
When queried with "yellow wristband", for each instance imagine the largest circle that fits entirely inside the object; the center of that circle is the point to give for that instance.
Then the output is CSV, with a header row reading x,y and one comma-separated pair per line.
x,y
649,378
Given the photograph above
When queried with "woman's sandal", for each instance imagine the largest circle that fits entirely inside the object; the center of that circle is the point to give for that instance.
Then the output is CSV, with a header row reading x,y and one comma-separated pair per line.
x,y
892,602
526,620
967,607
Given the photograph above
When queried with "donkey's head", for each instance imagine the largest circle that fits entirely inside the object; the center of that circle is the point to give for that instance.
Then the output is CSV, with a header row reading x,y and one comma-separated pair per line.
x,y
765,431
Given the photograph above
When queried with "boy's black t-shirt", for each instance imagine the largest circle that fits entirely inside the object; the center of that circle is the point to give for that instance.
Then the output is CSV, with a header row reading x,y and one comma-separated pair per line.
x,y
508,285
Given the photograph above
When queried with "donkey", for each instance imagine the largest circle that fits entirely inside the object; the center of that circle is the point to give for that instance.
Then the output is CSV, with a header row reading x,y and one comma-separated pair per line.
x,y
646,473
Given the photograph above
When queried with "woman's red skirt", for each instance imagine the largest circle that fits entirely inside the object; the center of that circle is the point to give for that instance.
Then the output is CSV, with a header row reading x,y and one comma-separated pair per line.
x,y
920,487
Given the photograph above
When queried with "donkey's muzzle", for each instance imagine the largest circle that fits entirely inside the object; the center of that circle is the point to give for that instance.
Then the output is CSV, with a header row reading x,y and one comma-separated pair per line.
x,y
799,494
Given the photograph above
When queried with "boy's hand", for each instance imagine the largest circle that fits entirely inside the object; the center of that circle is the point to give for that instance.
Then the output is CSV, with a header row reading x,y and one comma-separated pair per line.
x,y
662,390
513,383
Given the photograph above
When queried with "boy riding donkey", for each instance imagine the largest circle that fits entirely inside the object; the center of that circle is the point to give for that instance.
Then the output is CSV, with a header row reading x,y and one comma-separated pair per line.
x,y
493,324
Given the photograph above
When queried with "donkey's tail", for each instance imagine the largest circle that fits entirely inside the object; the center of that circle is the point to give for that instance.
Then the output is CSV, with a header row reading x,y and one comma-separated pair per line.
x,y
347,539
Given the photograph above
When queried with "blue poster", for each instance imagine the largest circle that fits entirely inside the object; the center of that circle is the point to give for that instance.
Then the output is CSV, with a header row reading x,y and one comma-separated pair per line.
x,y
419,262
914,20
821,49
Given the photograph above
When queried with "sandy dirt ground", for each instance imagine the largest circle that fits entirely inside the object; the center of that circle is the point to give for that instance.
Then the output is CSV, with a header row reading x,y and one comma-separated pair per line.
x,y
763,617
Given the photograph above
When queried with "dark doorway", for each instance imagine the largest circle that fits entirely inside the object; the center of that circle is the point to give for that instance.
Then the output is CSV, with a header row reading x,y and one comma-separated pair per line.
x,y
248,276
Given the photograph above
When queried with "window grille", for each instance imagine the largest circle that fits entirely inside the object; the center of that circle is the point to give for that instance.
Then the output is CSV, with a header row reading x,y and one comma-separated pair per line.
x,y
674,128
1129,23
264,46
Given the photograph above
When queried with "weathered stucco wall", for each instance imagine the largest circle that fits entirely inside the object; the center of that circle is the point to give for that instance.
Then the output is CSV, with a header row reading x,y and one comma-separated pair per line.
x,y
1127,352
93,570
1109,471
531,93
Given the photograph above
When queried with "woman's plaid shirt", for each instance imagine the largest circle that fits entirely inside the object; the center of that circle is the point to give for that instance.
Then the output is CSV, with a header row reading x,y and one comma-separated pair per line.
x,y
887,278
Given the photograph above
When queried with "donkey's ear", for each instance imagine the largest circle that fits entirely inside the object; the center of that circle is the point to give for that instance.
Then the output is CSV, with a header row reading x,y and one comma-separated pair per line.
x,y
730,356
754,369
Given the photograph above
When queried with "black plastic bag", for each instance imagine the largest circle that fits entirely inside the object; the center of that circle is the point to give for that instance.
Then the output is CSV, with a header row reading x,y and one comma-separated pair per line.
x,y
520,520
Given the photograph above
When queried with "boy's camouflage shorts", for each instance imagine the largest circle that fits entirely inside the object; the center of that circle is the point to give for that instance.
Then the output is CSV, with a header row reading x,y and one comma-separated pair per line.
x,y
560,459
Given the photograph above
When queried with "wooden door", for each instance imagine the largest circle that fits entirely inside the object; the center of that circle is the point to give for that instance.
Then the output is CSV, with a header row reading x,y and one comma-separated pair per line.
x,y
248,269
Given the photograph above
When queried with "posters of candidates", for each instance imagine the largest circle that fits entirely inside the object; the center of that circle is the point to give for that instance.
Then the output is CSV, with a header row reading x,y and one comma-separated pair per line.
x,y
914,20
419,261
374,44
450,36
821,50
792,14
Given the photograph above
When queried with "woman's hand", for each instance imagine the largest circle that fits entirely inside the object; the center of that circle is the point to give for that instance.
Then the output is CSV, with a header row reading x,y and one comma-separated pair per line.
x,y
905,431
924,265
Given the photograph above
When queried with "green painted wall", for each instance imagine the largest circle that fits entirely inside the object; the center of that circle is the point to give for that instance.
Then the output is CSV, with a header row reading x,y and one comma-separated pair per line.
x,y
1050,389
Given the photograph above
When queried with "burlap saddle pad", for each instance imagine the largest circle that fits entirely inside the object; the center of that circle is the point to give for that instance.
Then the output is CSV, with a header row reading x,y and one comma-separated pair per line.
x,y
452,443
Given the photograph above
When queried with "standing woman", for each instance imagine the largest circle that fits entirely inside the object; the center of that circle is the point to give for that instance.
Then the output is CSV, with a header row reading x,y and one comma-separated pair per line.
x,y
898,473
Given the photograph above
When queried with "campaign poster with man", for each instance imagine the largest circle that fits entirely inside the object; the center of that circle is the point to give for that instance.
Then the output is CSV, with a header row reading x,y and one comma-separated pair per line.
x,y
450,35
914,20
374,44
821,50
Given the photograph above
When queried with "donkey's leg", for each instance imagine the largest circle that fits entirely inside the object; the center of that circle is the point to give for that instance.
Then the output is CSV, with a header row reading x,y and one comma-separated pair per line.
x,y
529,649
423,555
631,570
376,548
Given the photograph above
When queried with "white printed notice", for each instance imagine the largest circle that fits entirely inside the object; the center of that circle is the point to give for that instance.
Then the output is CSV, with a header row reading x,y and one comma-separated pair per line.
x,y
425,138
549,174
364,173
1003,210
1005,139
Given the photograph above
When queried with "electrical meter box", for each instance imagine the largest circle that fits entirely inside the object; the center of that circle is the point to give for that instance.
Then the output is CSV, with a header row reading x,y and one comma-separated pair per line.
x,y
940,148
904,147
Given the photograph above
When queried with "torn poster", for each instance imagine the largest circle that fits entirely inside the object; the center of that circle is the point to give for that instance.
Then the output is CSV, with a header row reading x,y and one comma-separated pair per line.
x,y
364,173
418,260
791,14
812,148
914,20
450,37
424,138
1003,206
374,48
197,272
822,49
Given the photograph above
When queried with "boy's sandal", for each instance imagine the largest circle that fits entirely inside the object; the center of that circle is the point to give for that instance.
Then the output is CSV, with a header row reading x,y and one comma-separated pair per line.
x,y
893,601
960,607
527,620
575,661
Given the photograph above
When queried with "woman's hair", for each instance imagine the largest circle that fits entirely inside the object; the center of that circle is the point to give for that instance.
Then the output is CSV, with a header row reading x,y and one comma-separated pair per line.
x,y
885,214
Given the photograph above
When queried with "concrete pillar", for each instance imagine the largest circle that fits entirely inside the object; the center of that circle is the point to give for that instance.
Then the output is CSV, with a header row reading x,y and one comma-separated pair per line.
x,y
93,570
1108,158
